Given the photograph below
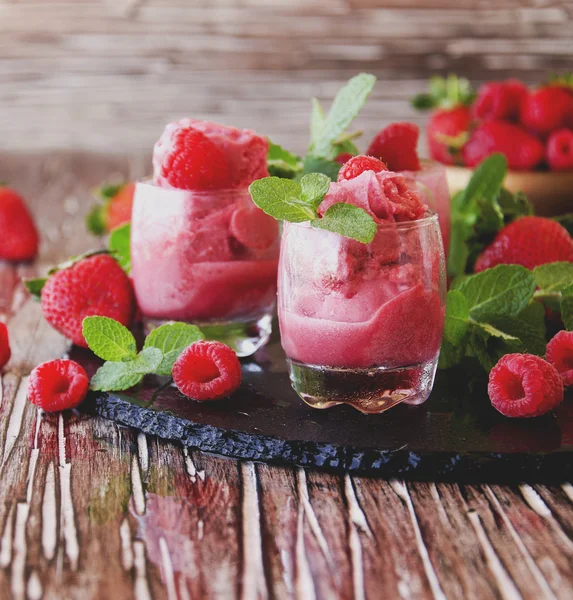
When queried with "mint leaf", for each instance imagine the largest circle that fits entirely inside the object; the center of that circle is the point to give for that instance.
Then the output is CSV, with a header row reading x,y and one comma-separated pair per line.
x,y
108,191
566,221
317,121
147,361
348,220
35,287
483,349
494,331
315,164
171,339
457,317
94,220
503,290
281,199
109,339
567,312
514,206
450,354
314,186
345,107
486,181
553,277
115,376
119,245
282,163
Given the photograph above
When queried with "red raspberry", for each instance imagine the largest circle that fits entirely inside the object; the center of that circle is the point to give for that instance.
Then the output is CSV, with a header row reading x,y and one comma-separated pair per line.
x,y
499,100
559,150
253,228
194,162
19,239
96,285
523,385
5,352
207,371
445,133
528,241
560,355
343,157
522,150
396,145
58,385
546,109
358,164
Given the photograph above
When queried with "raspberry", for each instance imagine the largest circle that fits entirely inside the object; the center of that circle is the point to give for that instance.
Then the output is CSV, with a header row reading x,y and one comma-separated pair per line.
x,y
5,351
343,157
528,241
396,146
57,385
253,228
559,150
523,385
560,355
358,164
207,371
499,100
96,285
546,109
19,239
194,162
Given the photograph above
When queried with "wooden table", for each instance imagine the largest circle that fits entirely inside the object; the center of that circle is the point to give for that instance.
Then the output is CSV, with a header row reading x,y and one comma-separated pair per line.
x,y
92,510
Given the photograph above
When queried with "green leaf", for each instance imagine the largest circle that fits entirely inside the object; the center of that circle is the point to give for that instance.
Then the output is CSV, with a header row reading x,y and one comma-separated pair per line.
x,y
282,163
553,277
172,339
315,164
486,181
115,376
94,220
348,220
482,350
566,221
450,354
317,121
108,191
567,312
119,245
35,287
494,331
503,290
345,107
109,339
423,102
147,361
281,199
514,206
457,317
314,186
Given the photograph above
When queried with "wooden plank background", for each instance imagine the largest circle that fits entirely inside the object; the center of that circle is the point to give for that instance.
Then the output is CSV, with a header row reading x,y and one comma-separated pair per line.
x,y
106,75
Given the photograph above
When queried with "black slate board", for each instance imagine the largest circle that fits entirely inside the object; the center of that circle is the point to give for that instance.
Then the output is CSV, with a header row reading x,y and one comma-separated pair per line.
x,y
455,435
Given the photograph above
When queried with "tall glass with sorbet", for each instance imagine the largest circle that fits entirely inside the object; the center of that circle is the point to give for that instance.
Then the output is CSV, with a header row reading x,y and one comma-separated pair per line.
x,y
361,324
201,251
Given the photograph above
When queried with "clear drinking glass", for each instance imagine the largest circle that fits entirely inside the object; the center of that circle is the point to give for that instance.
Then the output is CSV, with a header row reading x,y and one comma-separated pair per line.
x,y
209,258
361,324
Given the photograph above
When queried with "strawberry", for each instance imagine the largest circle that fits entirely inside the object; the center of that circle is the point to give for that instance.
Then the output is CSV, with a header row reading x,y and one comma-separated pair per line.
x,y
522,150
559,150
396,145
530,242
18,233
5,352
447,132
499,100
115,210
546,109
94,285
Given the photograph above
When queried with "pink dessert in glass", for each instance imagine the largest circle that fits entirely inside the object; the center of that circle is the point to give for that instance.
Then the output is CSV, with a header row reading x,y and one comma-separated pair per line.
x,y
361,324
202,252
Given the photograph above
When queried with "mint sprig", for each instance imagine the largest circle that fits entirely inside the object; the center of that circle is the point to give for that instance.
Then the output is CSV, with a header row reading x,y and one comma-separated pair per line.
x,y
282,163
109,339
119,245
171,339
296,202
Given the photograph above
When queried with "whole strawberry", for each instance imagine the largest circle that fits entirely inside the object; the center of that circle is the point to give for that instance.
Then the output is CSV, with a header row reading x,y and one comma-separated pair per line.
x,y
5,351
115,210
522,150
499,100
396,145
546,109
18,234
559,150
447,132
530,242
96,285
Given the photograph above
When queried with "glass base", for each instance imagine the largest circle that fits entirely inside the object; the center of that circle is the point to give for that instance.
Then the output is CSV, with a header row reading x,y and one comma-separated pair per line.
x,y
244,337
370,391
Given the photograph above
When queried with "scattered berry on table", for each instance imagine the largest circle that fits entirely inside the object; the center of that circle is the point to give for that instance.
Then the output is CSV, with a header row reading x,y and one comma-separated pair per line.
x,y
96,285
207,371
19,239
447,132
528,241
523,385
546,109
358,164
5,351
396,145
560,355
253,228
57,385
559,150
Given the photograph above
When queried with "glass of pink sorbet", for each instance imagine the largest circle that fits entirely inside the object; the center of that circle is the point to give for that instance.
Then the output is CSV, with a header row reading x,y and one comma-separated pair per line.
x,y
361,324
207,256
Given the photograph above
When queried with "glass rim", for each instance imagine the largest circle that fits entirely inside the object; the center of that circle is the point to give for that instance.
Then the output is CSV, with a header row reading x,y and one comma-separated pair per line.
x,y
430,218
148,182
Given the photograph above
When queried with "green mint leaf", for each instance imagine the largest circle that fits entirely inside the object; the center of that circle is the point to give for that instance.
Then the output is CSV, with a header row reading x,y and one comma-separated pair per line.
x,y
457,317
553,277
314,164
281,199
172,339
282,163
147,361
514,206
459,252
35,287
109,339
504,290
314,186
494,331
450,354
482,350
566,221
115,376
345,107
119,245
423,102
94,220
567,312
348,220
108,191
527,329
486,181
317,121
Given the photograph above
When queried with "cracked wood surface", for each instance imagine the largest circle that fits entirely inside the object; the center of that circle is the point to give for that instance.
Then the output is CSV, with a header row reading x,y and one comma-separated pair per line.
x,y
90,510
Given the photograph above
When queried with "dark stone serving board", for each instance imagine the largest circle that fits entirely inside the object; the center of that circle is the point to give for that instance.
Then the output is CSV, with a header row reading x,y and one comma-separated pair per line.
x,y
455,435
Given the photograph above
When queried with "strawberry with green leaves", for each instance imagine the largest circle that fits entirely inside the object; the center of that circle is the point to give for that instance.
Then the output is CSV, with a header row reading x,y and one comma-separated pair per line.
x,y
115,209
